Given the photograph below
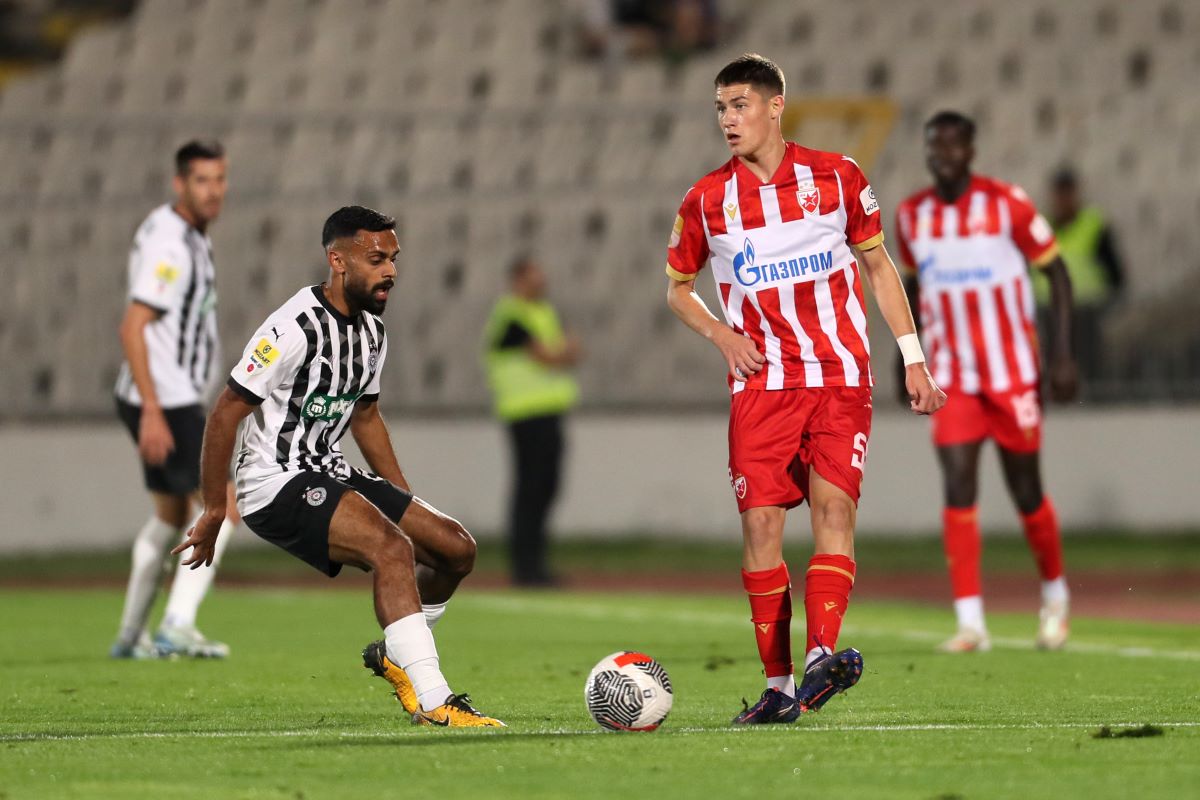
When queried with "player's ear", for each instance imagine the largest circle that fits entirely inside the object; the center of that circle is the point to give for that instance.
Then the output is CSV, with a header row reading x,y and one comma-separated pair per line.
x,y
777,106
336,262
178,184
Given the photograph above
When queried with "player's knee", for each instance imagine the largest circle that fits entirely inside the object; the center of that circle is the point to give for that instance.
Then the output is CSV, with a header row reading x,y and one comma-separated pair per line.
x,y
960,489
460,554
1028,497
396,551
835,517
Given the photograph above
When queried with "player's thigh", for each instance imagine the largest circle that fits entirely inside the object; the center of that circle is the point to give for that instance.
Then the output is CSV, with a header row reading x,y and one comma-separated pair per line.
x,y
438,539
838,434
765,440
360,535
963,420
1015,419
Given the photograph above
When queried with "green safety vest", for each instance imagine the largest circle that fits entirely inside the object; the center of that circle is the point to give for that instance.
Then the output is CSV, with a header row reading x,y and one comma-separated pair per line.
x,y
521,386
1078,241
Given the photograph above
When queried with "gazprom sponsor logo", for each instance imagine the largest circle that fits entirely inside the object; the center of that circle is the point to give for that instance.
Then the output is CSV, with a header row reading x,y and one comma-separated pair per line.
x,y
748,273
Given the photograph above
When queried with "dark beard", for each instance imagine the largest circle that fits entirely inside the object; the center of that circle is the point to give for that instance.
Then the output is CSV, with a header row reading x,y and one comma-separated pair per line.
x,y
363,298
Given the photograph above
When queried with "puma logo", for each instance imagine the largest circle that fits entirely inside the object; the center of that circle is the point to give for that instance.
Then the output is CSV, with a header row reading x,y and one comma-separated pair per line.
x,y
830,605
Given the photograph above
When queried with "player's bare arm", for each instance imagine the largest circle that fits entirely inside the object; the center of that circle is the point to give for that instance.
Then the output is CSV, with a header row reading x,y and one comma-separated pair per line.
x,y
741,356
155,442
924,395
1063,372
220,435
911,292
371,435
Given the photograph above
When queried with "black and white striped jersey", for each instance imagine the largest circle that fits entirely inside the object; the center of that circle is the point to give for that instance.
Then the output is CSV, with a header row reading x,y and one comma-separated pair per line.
x,y
171,270
305,368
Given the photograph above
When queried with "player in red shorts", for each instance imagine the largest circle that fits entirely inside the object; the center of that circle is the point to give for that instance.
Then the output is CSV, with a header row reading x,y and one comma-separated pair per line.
x,y
968,240
785,229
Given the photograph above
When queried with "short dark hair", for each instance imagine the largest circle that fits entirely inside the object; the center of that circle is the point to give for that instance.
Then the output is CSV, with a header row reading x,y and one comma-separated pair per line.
x,y
349,220
196,150
758,71
964,123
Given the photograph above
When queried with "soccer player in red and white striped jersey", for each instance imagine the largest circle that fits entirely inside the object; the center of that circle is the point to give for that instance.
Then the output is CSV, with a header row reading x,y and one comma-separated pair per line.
x,y
967,241
786,231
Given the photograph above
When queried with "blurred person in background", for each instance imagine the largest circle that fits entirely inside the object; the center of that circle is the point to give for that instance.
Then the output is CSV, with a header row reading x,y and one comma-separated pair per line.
x,y
528,355
1089,249
169,338
968,242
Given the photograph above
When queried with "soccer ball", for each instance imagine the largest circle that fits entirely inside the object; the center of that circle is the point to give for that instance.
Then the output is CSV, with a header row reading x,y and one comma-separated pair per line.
x,y
628,691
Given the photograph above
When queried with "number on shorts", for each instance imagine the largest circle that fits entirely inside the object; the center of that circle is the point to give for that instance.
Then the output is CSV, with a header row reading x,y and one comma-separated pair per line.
x,y
1025,409
858,459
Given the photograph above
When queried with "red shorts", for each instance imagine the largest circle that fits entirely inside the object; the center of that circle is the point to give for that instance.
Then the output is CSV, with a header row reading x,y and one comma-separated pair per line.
x,y
776,436
1012,418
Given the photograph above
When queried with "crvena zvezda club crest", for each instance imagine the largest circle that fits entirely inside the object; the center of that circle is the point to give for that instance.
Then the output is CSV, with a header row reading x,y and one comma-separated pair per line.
x,y
739,487
809,197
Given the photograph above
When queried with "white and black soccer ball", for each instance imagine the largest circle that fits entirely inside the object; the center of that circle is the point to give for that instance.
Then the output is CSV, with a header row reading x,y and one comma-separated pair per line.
x,y
628,691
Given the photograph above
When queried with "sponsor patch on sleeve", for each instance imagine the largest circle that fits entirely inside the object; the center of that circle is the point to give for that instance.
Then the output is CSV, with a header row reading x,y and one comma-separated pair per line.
x,y
166,274
676,231
264,353
869,203
1040,229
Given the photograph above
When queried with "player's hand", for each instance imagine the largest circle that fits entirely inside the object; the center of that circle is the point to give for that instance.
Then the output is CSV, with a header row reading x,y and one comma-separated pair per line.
x,y
1064,380
924,396
202,538
740,353
155,441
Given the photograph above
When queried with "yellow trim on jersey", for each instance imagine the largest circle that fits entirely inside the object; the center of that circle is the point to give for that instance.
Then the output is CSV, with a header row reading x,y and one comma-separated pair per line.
x,y
679,276
831,568
1048,255
870,244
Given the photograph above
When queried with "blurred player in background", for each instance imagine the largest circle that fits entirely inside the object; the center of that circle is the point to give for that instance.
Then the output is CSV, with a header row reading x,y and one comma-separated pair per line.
x,y
309,374
968,240
527,356
169,336
786,229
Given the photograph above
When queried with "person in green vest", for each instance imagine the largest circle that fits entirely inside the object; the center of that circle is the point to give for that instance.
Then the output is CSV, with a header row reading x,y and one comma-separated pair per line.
x,y
1089,250
528,355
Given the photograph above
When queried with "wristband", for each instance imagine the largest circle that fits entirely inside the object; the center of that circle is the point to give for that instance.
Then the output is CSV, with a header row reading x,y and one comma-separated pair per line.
x,y
910,348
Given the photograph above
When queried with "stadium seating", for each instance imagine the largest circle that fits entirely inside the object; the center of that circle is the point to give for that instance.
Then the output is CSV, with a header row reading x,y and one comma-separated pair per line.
x,y
476,124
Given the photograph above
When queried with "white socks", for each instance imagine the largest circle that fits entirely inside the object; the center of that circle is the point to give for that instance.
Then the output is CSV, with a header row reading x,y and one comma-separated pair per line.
x,y
191,585
813,655
1055,591
433,612
784,683
969,611
149,553
410,644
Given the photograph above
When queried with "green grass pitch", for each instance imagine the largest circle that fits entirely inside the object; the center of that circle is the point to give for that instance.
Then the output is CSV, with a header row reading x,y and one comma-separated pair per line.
x,y
294,715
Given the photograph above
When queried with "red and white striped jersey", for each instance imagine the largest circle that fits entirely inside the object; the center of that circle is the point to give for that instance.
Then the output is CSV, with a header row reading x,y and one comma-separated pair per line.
x,y
782,261
969,257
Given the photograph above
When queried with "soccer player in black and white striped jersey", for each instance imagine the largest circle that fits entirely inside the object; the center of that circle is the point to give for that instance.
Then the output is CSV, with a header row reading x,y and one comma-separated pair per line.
x,y
309,374
169,335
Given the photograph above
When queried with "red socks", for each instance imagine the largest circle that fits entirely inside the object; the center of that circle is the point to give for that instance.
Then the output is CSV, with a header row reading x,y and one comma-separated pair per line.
x,y
1041,531
770,593
963,544
827,588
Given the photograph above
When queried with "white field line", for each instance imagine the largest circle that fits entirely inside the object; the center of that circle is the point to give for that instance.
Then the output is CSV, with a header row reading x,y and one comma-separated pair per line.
x,y
578,609
319,733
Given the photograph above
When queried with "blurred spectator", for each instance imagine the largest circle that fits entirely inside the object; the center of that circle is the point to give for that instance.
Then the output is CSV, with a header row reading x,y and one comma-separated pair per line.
x,y
1089,250
614,30
527,355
